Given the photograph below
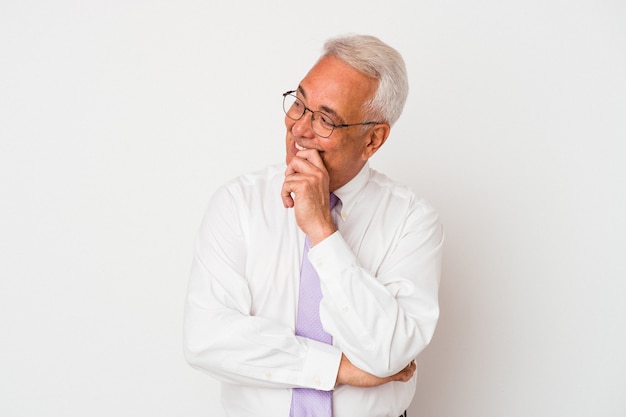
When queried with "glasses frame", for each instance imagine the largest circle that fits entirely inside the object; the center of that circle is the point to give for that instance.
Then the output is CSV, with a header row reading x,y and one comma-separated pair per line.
x,y
313,112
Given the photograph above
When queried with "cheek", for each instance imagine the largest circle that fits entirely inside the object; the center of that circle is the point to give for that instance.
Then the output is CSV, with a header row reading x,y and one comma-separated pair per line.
x,y
289,143
288,123
344,155
288,134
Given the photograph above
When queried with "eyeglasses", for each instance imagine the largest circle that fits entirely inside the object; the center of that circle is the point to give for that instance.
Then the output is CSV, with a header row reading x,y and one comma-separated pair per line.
x,y
322,124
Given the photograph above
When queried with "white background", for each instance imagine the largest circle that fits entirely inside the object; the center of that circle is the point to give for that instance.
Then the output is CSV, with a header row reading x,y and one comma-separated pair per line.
x,y
118,119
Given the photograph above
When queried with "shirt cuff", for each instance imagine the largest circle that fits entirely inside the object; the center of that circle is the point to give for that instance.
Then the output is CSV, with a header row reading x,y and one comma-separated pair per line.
x,y
321,366
331,255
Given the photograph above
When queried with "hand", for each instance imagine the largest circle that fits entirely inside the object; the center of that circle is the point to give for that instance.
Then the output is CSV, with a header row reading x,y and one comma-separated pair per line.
x,y
306,178
351,375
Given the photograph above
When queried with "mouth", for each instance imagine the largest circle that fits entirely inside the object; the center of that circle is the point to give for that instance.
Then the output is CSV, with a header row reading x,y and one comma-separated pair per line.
x,y
302,148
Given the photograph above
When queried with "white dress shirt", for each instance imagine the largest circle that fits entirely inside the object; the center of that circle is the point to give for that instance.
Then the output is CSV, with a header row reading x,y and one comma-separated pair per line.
x,y
379,275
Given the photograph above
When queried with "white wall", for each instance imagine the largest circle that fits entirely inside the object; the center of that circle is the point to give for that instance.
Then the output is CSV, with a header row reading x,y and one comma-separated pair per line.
x,y
119,118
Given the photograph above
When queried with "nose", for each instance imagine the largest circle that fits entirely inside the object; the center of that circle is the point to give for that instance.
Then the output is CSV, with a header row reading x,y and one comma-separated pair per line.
x,y
302,127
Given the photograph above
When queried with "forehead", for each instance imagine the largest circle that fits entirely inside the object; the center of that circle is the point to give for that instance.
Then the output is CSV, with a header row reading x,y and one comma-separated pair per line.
x,y
337,88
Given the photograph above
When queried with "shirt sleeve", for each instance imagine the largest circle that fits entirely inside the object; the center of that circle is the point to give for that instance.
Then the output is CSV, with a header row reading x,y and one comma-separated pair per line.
x,y
222,337
383,319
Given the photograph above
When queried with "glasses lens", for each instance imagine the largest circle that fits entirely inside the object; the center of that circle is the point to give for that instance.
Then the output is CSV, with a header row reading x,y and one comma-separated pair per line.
x,y
322,124
293,107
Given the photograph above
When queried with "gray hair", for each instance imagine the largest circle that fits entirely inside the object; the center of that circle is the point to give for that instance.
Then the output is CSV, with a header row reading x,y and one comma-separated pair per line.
x,y
374,58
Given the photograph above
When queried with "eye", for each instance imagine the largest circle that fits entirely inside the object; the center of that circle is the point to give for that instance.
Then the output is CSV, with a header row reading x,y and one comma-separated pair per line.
x,y
325,119
297,104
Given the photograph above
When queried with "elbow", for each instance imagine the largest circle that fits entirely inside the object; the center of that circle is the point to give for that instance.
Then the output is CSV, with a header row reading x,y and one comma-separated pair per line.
x,y
202,358
198,350
192,354
405,352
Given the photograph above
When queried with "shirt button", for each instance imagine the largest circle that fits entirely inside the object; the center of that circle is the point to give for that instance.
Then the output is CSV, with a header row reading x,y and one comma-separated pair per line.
x,y
268,375
317,381
344,309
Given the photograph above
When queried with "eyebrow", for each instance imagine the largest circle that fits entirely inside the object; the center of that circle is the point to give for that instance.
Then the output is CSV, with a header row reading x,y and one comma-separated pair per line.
x,y
324,109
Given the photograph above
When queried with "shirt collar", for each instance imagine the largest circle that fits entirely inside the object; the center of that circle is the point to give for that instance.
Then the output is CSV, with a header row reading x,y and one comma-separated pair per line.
x,y
349,192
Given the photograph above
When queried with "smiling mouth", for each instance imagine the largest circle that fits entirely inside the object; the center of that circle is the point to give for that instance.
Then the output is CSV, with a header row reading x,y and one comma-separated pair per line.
x,y
302,148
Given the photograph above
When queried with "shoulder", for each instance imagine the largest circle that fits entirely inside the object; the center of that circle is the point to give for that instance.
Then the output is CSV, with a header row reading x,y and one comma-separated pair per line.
x,y
253,184
246,197
381,184
397,194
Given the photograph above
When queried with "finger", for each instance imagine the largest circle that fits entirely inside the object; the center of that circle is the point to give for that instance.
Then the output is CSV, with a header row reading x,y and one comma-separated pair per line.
x,y
290,169
294,185
286,195
287,200
302,177
313,156
300,165
407,373
309,160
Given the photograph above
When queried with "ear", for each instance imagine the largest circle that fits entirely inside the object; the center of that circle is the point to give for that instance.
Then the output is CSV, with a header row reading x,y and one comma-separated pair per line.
x,y
376,138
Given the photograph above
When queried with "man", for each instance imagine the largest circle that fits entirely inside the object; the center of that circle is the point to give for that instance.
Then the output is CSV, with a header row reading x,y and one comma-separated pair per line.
x,y
376,255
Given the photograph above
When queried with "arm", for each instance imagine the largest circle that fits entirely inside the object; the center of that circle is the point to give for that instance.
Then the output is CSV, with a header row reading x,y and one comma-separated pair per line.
x,y
380,309
223,336
383,320
351,375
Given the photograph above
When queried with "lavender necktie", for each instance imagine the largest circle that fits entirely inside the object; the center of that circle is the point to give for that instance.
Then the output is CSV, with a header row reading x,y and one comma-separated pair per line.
x,y
306,402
